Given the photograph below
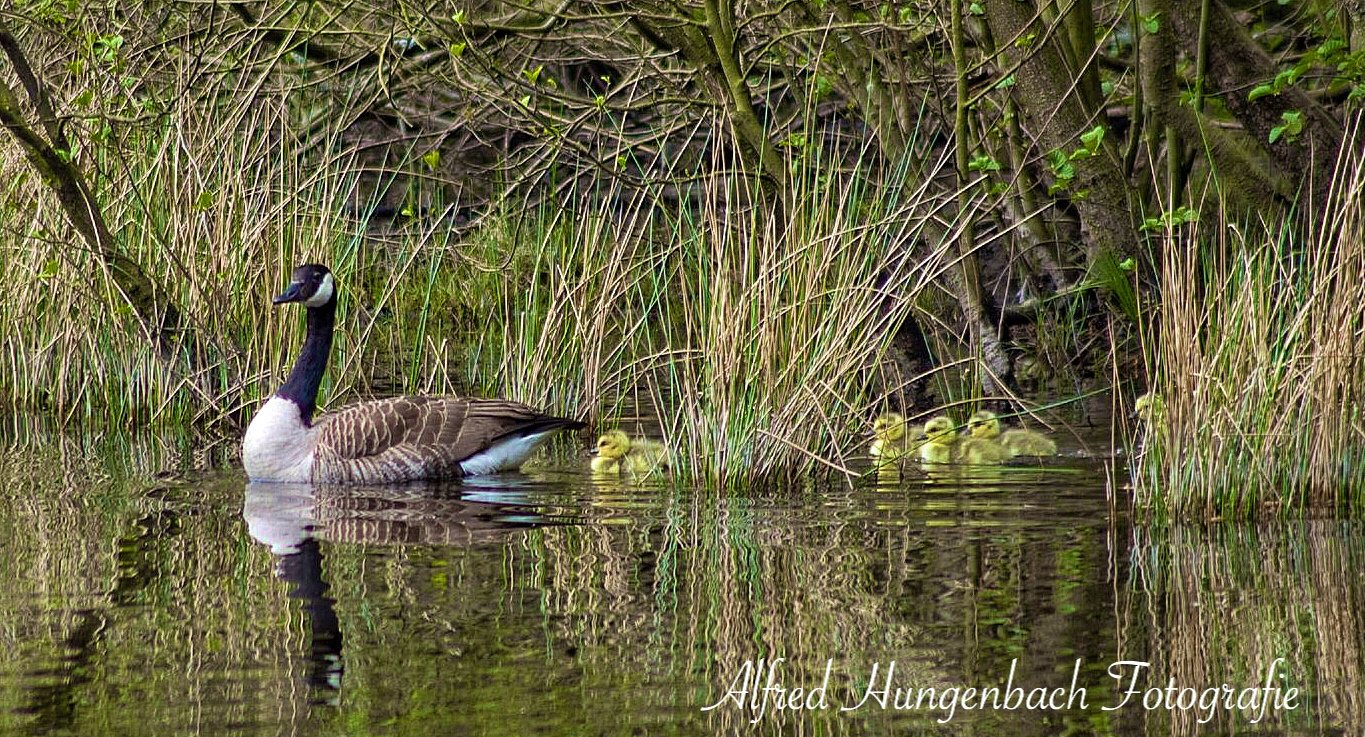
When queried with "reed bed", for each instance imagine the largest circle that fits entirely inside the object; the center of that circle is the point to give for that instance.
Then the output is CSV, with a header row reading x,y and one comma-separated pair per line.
x,y
783,319
1260,363
753,329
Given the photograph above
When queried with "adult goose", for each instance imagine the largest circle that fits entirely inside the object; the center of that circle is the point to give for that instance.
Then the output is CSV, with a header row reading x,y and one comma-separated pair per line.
x,y
383,441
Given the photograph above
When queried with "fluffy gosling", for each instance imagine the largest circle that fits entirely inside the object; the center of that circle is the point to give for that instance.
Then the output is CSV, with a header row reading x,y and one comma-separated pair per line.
x,y
940,440
617,452
892,440
985,425
944,445
1150,409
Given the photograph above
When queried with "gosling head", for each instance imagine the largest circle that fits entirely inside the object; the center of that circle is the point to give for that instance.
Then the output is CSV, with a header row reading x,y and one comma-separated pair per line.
x,y
613,444
889,427
984,424
941,430
1150,408
311,284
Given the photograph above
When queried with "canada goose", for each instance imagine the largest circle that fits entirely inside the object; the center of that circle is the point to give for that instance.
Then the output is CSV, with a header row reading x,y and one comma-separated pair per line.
x,y
985,425
892,439
616,452
382,441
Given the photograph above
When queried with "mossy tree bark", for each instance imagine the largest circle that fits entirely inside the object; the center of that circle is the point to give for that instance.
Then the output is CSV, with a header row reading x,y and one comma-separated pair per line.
x,y
1237,59
1056,112
1247,185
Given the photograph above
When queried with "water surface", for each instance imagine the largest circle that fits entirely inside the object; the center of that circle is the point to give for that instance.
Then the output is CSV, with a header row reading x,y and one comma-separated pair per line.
x,y
555,603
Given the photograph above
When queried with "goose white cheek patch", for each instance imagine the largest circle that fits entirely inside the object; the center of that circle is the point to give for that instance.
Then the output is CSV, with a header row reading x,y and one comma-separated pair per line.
x,y
323,294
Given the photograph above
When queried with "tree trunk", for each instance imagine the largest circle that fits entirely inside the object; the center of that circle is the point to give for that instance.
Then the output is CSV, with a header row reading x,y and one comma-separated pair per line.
x,y
1056,116
1235,60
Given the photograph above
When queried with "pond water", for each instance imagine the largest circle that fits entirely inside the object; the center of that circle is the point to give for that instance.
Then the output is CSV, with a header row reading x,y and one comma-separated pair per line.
x,y
550,602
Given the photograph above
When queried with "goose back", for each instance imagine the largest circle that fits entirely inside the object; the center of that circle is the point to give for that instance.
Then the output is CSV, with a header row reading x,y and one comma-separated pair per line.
x,y
408,438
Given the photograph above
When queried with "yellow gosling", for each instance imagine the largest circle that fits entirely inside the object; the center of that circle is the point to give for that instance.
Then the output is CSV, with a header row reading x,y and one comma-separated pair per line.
x,y
940,440
981,452
617,452
1150,409
985,425
892,440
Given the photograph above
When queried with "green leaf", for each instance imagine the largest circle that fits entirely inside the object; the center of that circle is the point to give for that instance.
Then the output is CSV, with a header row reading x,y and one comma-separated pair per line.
x,y
432,159
1150,23
49,269
1260,90
457,50
1006,82
983,163
204,201
84,98
1092,138
1290,128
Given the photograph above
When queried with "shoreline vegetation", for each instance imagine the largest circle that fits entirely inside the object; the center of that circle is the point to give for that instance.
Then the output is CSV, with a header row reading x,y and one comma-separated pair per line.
x,y
763,233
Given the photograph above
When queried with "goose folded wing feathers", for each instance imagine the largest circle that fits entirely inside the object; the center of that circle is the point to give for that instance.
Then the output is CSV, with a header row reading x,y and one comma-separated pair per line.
x,y
394,438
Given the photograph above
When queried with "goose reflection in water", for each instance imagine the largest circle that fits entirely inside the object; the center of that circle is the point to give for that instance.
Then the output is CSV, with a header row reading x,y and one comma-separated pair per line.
x,y
279,516
291,519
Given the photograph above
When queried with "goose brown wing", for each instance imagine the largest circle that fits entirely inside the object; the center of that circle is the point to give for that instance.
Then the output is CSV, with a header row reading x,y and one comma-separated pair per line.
x,y
417,437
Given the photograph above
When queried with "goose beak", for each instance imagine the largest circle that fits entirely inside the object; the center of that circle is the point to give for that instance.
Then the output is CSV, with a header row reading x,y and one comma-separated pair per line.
x,y
291,294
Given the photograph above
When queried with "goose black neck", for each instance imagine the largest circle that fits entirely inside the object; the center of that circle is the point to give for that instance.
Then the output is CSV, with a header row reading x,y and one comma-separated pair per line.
x,y
302,385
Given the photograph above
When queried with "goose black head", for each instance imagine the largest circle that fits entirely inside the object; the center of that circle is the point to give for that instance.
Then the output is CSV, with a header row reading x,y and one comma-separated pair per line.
x,y
311,284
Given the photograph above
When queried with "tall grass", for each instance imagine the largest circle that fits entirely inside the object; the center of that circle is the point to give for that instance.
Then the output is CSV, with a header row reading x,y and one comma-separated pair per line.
x,y
1260,359
784,317
752,329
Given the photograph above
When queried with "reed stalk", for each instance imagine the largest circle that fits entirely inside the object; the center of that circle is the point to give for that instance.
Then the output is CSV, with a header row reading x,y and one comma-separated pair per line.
x,y
1260,363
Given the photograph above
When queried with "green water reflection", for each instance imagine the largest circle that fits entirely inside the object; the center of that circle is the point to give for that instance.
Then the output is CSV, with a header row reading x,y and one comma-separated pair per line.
x,y
554,603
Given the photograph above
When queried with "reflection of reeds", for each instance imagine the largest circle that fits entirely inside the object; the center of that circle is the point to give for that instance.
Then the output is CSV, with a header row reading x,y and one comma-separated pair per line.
x,y
1230,600
1260,363
122,605
628,609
